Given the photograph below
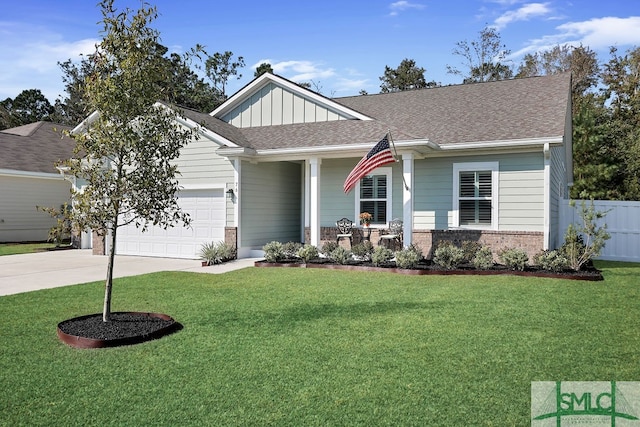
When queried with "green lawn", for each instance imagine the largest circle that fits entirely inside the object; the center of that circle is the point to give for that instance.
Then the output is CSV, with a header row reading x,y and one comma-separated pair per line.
x,y
297,347
24,248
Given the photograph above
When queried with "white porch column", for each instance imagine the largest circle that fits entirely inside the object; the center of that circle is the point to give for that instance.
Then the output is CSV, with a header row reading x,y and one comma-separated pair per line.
x,y
407,198
314,200
547,195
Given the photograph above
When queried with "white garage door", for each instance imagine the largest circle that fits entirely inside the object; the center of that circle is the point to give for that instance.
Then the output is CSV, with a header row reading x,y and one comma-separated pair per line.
x,y
206,208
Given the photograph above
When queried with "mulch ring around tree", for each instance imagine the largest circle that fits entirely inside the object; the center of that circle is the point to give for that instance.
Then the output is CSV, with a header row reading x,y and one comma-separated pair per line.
x,y
428,268
124,328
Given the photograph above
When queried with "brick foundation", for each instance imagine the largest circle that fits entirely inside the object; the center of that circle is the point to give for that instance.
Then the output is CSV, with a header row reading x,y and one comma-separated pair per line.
x,y
231,236
97,244
531,242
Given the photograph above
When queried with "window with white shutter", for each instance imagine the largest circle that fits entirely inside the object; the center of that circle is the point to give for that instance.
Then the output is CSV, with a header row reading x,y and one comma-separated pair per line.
x,y
475,195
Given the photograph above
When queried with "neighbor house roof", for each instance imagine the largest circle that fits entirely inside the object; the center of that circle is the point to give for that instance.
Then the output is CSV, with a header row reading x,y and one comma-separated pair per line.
x,y
35,147
519,109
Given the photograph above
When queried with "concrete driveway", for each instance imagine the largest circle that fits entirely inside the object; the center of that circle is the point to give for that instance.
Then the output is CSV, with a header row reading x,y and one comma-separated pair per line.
x,y
43,270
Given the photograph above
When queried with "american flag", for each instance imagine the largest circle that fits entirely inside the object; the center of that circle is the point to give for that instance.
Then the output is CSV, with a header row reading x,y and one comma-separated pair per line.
x,y
378,156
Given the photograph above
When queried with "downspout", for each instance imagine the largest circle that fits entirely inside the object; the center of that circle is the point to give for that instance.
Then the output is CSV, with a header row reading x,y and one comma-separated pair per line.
x,y
407,199
547,194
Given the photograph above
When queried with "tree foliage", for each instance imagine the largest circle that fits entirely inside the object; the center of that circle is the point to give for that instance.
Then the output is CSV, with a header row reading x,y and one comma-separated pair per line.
x,y
29,106
220,67
483,59
265,67
407,76
125,151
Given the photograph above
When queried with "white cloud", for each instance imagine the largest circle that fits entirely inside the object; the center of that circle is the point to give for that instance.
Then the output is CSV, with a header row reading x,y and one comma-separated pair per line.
x,y
33,54
597,34
298,71
402,5
524,13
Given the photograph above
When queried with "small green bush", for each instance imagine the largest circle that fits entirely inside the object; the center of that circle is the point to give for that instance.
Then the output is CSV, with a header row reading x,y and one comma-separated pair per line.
x,y
273,251
217,252
381,255
514,258
585,240
307,252
341,255
328,247
363,250
407,258
290,249
551,260
448,256
483,260
469,250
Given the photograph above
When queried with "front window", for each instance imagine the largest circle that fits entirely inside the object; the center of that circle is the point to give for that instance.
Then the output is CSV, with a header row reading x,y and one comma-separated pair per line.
x,y
475,195
374,195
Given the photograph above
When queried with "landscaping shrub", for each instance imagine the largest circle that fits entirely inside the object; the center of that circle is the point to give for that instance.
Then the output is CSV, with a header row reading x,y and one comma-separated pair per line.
x,y
290,249
381,255
483,259
217,252
407,258
469,250
363,250
273,251
584,242
307,252
448,256
328,247
551,260
341,255
514,258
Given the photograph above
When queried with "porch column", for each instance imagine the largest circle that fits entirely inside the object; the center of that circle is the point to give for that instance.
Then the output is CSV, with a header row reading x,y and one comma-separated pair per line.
x,y
407,198
547,196
314,200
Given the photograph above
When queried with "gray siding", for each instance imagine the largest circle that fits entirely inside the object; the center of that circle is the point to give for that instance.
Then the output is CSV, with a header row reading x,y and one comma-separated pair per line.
x,y
270,203
19,219
521,191
274,105
334,204
201,167
558,192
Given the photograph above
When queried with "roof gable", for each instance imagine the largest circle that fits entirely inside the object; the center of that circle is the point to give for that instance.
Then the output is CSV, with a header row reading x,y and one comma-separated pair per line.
x,y
272,100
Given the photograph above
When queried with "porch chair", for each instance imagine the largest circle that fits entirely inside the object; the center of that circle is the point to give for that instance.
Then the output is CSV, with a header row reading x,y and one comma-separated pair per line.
x,y
345,230
394,233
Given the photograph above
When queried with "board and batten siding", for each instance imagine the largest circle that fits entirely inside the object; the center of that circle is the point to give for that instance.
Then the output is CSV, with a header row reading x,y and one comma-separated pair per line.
x,y
201,167
275,105
270,203
20,221
557,193
521,191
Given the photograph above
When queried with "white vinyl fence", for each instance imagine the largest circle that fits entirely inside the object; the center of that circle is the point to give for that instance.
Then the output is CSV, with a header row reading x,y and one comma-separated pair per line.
x,y
623,224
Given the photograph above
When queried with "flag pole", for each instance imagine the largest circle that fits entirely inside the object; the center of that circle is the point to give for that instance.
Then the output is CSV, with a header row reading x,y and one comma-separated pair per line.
x,y
406,187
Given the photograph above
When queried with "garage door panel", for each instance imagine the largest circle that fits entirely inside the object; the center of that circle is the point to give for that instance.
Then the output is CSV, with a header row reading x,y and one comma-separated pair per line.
x,y
206,209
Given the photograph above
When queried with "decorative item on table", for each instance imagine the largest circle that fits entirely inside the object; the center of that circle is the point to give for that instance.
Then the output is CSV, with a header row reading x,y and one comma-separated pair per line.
x,y
365,219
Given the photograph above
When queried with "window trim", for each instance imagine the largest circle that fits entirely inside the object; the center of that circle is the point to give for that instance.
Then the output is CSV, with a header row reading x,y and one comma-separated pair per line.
x,y
494,167
379,171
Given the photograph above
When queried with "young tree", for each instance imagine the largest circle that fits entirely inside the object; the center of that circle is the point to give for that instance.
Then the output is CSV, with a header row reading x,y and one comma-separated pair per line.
x,y
483,58
127,146
407,76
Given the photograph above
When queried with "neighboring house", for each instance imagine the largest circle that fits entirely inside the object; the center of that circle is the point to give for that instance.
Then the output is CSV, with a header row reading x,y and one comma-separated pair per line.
x,y
29,178
488,162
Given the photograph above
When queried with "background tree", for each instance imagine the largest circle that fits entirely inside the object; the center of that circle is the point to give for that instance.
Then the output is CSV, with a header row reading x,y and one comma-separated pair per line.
x,y
73,108
127,151
265,67
219,68
406,77
28,107
483,58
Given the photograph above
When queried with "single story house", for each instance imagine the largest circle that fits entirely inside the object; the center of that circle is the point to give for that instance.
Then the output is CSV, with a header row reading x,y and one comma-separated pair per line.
x,y
488,162
29,178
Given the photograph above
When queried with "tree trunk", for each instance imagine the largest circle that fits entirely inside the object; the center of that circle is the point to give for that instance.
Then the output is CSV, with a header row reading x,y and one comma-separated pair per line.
x,y
106,310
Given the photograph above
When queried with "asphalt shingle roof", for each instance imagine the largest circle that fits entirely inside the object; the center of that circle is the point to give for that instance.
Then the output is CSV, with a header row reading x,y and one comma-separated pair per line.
x,y
494,111
35,147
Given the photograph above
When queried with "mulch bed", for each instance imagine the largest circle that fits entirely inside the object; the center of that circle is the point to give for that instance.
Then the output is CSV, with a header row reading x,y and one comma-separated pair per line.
x,y
428,268
124,328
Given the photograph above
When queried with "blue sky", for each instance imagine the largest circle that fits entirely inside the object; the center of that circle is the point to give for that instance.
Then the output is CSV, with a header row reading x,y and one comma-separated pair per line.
x,y
342,46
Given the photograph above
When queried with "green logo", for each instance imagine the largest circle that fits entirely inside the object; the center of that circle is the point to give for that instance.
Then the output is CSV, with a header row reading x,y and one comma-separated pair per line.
x,y
593,403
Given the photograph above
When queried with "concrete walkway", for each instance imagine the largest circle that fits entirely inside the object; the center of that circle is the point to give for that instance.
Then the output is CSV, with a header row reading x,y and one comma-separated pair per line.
x,y
43,270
